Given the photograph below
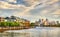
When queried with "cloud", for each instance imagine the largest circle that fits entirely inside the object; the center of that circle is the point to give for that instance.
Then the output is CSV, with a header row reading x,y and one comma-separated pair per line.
x,y
45,9
35,8
57,12
26,11
12,1
6,5
31,2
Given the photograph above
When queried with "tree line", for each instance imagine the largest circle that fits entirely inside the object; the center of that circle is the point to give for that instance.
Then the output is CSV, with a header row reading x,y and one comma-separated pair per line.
x,y
9,24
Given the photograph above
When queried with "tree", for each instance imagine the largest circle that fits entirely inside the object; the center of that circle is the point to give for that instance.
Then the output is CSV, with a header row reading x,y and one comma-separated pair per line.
x,y
32,25
2,24
9,24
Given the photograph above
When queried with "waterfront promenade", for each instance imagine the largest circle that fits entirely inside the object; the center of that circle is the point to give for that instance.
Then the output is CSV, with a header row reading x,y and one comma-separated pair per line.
x,y
2,29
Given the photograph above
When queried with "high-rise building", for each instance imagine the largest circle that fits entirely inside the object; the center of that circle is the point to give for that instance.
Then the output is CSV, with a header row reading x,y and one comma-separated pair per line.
x,y
46,22
42,22
57,22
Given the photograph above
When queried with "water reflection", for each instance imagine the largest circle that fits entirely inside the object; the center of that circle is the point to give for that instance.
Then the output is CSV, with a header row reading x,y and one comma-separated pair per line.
x,y
37,32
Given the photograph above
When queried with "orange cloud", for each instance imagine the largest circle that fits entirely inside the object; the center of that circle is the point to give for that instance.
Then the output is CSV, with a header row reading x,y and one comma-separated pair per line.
x,y
57,12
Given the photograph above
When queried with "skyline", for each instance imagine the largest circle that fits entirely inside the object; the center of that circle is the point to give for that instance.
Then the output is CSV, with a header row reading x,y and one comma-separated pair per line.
x,y
31,9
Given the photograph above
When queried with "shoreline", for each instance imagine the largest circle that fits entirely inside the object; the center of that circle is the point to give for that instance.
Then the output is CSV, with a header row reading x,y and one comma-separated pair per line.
x,y
2,29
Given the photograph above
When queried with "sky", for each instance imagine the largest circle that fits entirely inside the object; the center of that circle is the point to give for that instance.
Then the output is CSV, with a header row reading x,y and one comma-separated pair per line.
x,y
31,9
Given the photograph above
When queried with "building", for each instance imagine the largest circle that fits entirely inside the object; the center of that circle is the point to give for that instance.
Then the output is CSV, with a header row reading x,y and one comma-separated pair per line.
x,y
37,23
2,19
23,22
40,22
27,24
57,22
46,22
52,23
11,19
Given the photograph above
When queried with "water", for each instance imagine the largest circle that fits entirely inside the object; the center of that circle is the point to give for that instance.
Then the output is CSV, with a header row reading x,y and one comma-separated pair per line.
x,y
36,32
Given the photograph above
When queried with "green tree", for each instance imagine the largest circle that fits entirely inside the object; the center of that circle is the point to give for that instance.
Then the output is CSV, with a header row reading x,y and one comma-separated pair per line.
x,y
32,25
2,24
9,24
16,24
